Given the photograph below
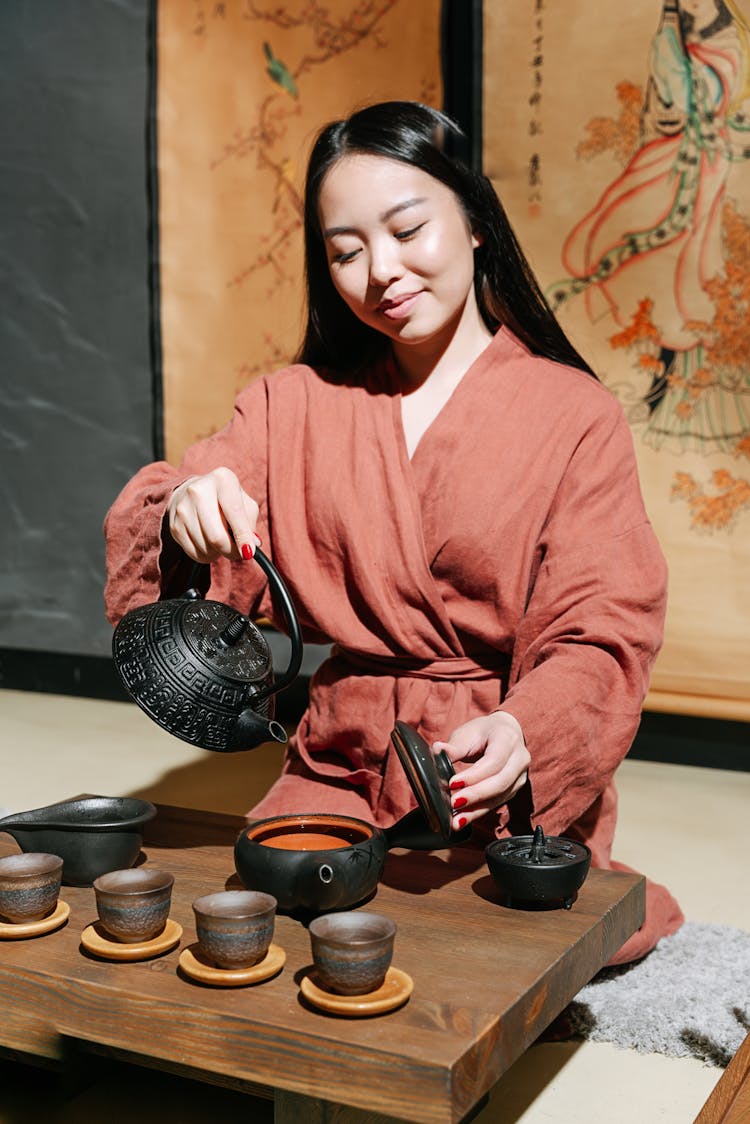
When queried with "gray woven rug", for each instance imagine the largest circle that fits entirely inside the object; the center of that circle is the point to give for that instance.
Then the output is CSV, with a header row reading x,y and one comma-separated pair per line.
x,y
690,997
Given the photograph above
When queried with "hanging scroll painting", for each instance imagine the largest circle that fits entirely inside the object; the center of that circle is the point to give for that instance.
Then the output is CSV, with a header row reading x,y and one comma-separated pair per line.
x,y
242,88
618,137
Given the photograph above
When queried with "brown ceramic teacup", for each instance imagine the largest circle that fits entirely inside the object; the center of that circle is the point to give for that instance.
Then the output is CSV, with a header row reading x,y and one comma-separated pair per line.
x,y
29,886
133,905
235,927
352,951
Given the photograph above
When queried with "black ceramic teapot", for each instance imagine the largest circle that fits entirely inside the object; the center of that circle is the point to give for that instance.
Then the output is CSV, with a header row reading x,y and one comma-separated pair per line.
x,y
203,671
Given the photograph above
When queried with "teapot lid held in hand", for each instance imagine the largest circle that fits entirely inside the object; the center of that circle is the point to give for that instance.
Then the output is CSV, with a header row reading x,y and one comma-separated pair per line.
x,y
429,775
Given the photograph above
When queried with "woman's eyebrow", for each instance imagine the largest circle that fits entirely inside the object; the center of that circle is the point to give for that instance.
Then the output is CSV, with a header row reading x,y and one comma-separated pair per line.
x,y
401,207
332,231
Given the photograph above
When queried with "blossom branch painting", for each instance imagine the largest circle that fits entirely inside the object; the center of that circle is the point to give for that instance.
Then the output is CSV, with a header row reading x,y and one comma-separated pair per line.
x,y
243,86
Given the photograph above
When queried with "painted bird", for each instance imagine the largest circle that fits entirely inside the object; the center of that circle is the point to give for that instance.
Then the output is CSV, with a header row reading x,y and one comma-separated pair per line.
x,y
278,71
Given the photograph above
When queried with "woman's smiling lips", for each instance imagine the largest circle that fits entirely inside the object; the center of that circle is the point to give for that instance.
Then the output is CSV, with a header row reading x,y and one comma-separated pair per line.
x,y
398,307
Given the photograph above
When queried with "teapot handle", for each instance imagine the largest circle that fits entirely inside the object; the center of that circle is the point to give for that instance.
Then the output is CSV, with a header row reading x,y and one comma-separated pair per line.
x,y
280,593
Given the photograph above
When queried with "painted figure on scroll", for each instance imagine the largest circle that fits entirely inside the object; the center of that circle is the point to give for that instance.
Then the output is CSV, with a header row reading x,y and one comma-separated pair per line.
x,y
451,498
654,240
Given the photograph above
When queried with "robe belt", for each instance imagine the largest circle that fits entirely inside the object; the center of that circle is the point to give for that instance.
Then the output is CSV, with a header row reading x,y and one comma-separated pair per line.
x,y
442,667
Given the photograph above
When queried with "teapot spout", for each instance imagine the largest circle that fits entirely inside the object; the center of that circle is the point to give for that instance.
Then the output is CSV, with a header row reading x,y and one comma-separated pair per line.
x,y
252,729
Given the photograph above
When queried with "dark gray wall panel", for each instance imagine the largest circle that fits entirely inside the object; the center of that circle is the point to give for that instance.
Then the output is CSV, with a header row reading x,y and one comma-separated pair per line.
x,y
75,410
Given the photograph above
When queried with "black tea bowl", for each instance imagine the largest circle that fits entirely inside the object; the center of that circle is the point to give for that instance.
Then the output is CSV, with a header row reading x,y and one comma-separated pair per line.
x,y
92,835
313,862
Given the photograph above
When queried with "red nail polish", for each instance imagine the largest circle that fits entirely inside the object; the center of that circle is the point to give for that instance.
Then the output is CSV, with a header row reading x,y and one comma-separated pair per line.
x,y
462,822
460,802
247,551
457,784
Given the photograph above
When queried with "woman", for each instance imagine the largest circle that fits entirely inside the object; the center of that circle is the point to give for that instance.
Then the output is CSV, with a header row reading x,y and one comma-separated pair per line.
x,y
451,498
656,232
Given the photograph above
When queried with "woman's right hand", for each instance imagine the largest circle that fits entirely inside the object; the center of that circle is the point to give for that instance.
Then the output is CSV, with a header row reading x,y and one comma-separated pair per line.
x,y
211,517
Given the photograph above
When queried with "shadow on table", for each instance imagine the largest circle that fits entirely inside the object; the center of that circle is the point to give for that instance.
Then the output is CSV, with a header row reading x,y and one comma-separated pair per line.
x,y
420,872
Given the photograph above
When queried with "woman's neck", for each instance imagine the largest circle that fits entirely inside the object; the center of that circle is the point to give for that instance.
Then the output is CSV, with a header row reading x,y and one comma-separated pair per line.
x,y
428,382
443,360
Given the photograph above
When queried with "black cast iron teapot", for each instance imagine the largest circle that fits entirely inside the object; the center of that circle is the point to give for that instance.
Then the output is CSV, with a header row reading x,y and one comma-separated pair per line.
x,y
203,671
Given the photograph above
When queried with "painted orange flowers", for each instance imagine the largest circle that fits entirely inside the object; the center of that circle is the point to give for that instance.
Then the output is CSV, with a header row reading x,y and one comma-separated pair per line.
x,y
712,512
619,135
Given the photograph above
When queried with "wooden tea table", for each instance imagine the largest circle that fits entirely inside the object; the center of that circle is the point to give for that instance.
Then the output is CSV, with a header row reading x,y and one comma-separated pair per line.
x,y
487,981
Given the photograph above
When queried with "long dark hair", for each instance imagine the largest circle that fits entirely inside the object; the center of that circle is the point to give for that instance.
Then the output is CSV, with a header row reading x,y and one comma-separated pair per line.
x,y
723,19
506,289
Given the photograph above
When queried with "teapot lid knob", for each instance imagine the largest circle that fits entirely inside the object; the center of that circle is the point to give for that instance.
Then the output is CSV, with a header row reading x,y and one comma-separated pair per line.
x,y
537,845
233,632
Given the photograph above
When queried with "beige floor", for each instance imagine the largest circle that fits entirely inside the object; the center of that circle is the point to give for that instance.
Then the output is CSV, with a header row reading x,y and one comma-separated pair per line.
x,y
684,826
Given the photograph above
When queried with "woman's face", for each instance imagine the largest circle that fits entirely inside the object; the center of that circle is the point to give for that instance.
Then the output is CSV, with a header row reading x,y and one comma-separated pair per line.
x,y
400,249
704,12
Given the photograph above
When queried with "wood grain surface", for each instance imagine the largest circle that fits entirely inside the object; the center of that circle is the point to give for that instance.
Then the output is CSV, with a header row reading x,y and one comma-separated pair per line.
x,y
487,981
729,1102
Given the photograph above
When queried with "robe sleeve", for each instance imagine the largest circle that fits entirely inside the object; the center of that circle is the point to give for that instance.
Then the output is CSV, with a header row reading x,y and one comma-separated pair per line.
x,y
592,628
143,566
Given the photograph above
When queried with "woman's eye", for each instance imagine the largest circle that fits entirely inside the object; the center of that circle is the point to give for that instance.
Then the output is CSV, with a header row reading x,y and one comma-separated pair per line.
x,y
342,259
405,235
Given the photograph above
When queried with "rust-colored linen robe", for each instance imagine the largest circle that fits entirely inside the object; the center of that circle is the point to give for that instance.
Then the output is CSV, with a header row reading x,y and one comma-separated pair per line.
x,y
509,564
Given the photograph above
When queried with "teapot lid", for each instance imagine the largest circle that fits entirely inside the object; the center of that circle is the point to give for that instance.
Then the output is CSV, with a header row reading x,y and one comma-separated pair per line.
x,y
227,643
429,775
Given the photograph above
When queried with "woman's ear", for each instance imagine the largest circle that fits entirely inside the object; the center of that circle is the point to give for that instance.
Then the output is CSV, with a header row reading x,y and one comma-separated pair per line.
x,y
477,239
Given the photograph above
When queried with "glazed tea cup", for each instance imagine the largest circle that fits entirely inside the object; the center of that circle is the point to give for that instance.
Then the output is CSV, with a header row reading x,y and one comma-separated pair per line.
x,y
29,886
235,927
352,951
133,905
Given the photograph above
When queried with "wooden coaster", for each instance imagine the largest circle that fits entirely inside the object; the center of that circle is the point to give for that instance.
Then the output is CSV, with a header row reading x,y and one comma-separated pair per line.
x,y
194,964
17,930
94,939
394,991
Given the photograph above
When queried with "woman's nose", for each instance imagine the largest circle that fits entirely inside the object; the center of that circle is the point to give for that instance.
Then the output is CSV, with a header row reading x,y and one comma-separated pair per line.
x,y
385,262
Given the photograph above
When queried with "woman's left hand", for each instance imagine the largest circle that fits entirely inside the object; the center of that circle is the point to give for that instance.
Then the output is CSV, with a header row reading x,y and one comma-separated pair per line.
x,y
495,746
